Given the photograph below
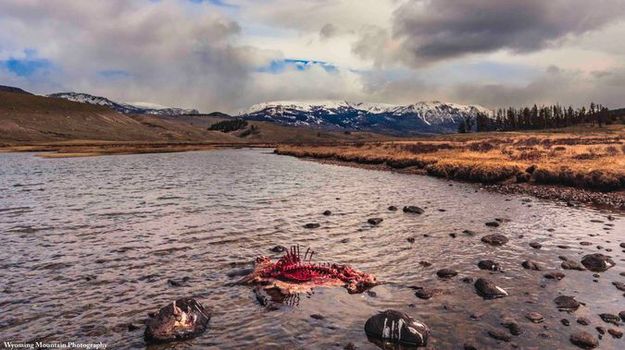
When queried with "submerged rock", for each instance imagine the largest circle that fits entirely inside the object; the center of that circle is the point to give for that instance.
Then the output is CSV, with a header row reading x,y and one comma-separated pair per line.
x,y
488,290
555,275
413,210
492,224
531,265
181,320
446,273
426,293
535,317
584,340
536,245
619,285
312,225
495,239
278,249
327,213
397,327
392,208
597,262
499,335
610,318
375,221
572,265
615,333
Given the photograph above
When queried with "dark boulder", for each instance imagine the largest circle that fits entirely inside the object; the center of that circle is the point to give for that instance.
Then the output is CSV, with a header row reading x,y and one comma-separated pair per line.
x,y
495,239
566,303
597,262
413,210
397,327
488,265
181,320
488,290
584,340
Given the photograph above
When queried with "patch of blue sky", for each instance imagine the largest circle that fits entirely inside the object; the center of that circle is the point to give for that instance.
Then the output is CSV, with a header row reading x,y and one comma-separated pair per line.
x,y
26,67
280,65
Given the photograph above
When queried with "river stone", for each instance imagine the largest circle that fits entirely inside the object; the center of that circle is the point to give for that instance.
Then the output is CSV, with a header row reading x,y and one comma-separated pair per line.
x,y
397,327
312,225
164,327
583,321
413,210
426,293
597,262
531,265
375,221
492,224
488,290
327,213
495,239
622,315
584,340
392,208
488,265
566,303
512,326
535,317
278,249
572,265
446,273
499,335
555,275
619,285
615,333
610,318
536,245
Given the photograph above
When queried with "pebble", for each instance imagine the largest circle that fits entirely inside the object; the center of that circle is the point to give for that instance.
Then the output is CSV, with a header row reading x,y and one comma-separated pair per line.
x,y
492,224
392,208
531,265
615,333
584,340
413,209
583,321
446,273
312,225
499,335
536,245
397,327
375,221
488,290
488,265
535,317
327,213
566,303
572,265
610,318
495,239
597,262
556,275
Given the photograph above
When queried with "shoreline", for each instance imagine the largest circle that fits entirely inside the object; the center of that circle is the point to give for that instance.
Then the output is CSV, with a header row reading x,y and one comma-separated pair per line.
x,y
569,196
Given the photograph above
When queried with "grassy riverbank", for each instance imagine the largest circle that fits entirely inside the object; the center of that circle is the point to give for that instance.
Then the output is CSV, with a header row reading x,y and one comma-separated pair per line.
x,y
582,158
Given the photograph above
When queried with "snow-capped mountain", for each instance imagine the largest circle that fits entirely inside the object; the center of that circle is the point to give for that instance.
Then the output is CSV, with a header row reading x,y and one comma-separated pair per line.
x,y
126,108
418,118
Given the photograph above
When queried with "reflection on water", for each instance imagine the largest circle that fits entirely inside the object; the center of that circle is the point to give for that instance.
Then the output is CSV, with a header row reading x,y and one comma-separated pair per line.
x,y
91,245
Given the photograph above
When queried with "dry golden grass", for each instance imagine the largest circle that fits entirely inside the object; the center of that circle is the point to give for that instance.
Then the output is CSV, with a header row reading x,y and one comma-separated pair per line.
x,y
593,160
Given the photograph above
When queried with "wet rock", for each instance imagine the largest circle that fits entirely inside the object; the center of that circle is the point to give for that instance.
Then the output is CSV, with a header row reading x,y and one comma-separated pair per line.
x,y
610,318
344,240
372,293
622,315
488,265
492,224
600,330
584,340
555,275
619,285
469,233
183,319
499,335
572,265
615,333
426,293
583,321
585,243
597,262
278,249
535,317
495,239
392,208
536,245
375,221
488,290
327,213
312,225
565,322
410,239
512,326
425,263
622,245
317,316
239,272
397,327
467,279
446,273
413,210
566,303
178,282
531,265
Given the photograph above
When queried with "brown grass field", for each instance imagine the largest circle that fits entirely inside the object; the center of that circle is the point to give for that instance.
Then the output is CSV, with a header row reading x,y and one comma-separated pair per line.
x,y
582,157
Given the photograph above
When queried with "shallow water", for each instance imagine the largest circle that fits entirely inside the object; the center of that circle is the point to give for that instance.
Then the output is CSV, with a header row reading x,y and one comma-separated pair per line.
x,y
89,245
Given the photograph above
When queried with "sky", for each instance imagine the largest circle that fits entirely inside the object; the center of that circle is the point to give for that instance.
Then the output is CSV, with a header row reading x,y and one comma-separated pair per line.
x,y
225,55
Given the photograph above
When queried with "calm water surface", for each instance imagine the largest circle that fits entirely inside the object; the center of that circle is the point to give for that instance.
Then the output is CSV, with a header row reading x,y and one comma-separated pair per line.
x,y
89,244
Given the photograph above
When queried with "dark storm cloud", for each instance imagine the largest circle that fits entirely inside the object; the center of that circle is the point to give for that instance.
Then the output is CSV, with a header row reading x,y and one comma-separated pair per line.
x,y
433,30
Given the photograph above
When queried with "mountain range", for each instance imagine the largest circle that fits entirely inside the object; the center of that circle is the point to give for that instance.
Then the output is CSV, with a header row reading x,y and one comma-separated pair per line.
x,y
126,108
419,118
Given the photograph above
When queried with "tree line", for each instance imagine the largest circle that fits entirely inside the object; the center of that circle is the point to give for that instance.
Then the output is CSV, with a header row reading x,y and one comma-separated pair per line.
x,y
535,118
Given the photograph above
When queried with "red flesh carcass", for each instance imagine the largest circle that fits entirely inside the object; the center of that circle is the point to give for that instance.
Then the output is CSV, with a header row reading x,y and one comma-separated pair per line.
x,y
293,274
